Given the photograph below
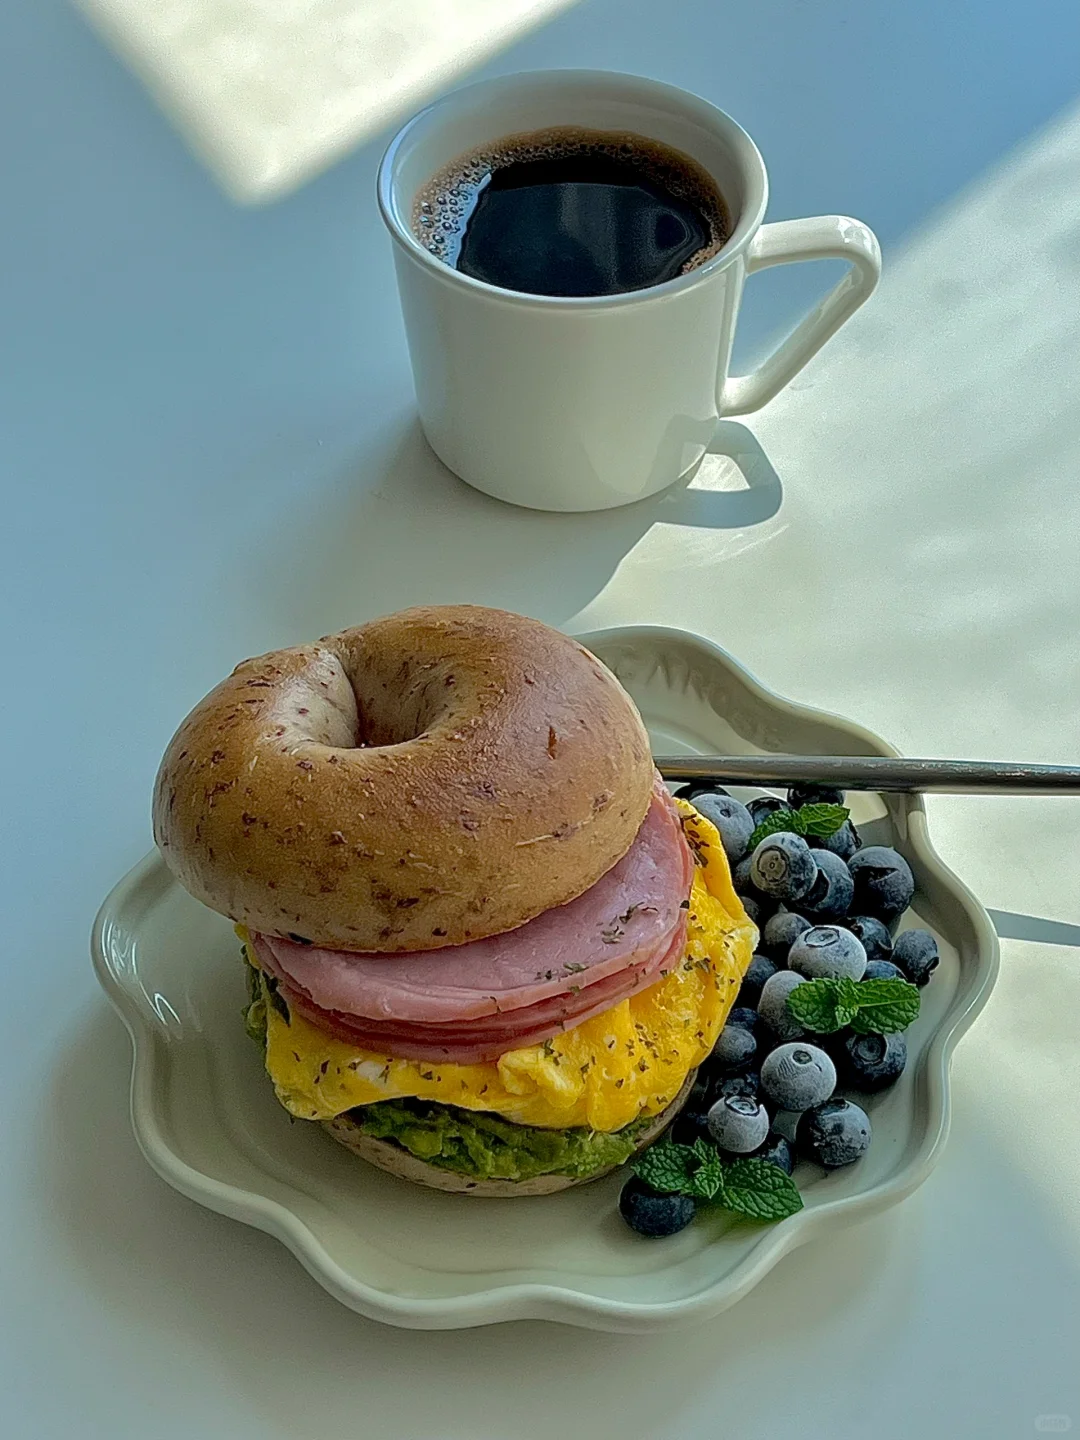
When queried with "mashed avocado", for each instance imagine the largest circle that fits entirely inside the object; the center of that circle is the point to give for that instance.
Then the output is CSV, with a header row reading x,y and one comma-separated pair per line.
x,y
485,1147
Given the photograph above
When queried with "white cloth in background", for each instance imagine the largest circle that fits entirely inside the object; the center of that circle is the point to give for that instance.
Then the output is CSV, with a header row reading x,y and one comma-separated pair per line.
x,y
269,92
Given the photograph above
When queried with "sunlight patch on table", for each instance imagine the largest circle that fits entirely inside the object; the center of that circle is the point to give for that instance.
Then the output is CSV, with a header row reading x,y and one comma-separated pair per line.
x,y
269,92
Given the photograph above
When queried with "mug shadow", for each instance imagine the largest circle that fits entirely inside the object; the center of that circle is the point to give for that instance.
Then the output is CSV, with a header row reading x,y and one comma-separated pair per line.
x,y
231,1298
734,487
395,527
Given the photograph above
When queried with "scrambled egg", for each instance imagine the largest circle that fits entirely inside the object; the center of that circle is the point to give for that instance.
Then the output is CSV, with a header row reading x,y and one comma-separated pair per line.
x,y
628,1062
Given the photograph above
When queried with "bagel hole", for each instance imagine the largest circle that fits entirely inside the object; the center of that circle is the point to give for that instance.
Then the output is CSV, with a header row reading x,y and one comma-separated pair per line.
x,y
401,719
398,701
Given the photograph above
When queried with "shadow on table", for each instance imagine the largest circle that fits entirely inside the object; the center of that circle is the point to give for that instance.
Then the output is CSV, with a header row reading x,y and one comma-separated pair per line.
x,y
398,528
1011,926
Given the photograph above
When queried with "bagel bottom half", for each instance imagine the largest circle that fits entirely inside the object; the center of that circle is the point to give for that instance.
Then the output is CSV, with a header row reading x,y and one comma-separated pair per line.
x,y
350,1130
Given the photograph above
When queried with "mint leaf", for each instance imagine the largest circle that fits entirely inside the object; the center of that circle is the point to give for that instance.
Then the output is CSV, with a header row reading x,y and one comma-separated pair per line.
x,y
759,1190
885,1006
772,825
666,1166
870,1007
701,1150
849,991
708,1179
821,821
822,1006
675,1169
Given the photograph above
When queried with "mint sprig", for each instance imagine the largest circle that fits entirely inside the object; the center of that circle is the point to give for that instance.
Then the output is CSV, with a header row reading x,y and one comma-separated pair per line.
x,y
870,1007
829,1005
756,1189
819,821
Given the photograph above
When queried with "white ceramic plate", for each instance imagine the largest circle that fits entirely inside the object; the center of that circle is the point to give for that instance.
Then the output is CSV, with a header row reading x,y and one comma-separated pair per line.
x,y
206,1119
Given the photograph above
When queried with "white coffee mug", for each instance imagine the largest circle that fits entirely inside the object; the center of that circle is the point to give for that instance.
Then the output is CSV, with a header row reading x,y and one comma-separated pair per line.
x,y
571,403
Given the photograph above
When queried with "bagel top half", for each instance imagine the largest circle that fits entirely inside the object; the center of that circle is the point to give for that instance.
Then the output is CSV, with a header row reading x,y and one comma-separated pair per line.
x,y
429,778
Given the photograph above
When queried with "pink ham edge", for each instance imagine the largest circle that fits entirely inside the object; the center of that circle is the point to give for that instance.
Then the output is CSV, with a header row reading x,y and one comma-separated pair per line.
x,y
554,1008
433,1043
621,923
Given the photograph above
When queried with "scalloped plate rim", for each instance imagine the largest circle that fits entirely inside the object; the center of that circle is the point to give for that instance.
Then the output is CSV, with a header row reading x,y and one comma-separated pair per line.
x,y
535,1301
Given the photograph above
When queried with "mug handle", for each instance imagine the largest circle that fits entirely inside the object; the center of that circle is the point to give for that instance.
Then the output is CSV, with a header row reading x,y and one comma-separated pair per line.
x,y
820,237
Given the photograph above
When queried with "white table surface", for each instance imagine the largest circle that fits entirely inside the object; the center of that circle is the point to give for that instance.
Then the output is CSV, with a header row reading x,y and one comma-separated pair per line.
x,y
208,449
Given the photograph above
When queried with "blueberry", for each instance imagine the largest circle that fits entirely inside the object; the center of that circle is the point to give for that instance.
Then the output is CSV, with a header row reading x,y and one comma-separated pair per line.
x,y
738,1124
745,1016
752,905
760,969
833,1045
695,788
871,1062
734,1050
882,970
797,1076
690,1125
831,894
768,1040
827,952
811,794
843,842
745,1086
773,1006
764,805
877,942
777,1150
780,933
884,883
733,821
651,1214
783,867
834,1134
740,878
698,1099
916,952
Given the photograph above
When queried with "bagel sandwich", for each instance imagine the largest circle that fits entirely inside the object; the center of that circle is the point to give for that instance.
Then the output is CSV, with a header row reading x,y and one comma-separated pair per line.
x,y
484,947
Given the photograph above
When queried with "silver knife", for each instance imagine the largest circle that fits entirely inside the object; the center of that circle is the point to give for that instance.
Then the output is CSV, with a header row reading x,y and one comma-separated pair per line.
x,y
876,772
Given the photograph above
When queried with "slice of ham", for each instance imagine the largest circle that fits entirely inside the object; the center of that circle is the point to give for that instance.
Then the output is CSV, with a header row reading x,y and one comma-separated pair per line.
x,y
489,1036
622,923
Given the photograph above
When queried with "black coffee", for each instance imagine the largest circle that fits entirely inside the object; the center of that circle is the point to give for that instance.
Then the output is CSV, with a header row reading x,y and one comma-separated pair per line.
x,y
573,212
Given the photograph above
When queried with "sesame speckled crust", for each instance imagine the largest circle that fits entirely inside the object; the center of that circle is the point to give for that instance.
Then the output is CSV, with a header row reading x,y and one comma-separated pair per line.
x,y
429,778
